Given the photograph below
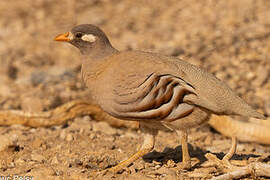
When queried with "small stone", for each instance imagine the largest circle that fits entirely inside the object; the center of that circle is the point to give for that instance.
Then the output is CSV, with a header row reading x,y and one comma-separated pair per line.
x,y
164,170
131,134
19,161
37,157
86,119
69,137
37,143
208,140
109,138
138,166
63,134
11,165
5,142
151,175
40,173
148,165
250,75
55,160
132,170
78,162
81,131
92,136
241,147
170,163
157,166
33,130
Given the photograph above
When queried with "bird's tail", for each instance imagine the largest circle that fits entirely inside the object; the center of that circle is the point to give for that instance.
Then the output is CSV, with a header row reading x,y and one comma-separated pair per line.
x,y
240,107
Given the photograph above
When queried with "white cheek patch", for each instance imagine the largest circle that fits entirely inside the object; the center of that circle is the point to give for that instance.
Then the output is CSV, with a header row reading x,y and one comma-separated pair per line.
x,y
89,37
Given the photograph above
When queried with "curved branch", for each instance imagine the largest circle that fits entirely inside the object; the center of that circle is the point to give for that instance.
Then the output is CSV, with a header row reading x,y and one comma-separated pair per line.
x,y
244,131
59,115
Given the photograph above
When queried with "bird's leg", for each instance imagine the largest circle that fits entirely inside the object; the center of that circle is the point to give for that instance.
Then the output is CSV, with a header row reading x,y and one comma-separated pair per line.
x,y
225,160
186,162
147,146
231,152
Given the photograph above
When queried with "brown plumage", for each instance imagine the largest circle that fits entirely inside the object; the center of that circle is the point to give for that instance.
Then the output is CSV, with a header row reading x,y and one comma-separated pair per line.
x,y
160,92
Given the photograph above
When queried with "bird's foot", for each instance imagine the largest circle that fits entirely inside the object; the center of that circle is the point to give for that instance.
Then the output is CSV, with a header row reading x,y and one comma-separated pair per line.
x,y
220,163
225,162
116,169
119,167
185,165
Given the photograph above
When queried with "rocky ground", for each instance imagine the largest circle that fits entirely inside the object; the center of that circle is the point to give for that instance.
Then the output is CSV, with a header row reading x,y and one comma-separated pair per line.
x,y
228,38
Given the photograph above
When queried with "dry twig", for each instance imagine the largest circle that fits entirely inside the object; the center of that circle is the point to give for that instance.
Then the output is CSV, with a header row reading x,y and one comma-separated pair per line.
x,y
255,169
60,115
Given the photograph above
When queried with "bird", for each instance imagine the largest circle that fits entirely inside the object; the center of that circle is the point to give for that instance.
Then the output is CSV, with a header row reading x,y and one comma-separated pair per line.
x,y
161,93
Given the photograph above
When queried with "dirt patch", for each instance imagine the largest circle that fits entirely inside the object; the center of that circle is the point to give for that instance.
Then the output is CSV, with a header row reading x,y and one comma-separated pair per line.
x,y
228,38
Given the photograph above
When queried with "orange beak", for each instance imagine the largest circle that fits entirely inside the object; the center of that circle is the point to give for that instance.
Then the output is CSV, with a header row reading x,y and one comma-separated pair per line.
x,y
62,37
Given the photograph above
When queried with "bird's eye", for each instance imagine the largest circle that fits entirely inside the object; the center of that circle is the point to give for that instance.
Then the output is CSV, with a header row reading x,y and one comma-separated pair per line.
x,y
78,35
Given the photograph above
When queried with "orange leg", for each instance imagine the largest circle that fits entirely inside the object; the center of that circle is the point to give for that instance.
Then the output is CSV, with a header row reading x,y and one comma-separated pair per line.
x,y
147,146
225,160
232,150
186,162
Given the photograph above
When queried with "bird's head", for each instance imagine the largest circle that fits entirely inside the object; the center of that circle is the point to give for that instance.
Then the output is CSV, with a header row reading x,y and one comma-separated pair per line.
x,y
86,37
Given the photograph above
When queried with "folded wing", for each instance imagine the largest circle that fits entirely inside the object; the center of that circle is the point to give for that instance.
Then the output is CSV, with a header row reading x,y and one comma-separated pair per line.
x,y
158,97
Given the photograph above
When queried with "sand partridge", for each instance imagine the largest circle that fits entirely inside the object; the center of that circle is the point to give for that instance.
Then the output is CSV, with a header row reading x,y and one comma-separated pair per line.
x,y
160,92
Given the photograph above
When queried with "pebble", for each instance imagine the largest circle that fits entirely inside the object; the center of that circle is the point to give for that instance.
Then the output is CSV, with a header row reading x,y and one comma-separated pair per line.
x,y
37,157
131,134
138,166
19,161
63,134
109,138
208,140
37,143
69,137
241,147
92,136
5,142
55,160
164,170
11,165
170,163
81,131
132,170
41,173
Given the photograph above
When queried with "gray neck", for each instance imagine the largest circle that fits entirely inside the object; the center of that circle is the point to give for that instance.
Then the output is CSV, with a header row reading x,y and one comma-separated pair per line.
x,y
100,51
93,62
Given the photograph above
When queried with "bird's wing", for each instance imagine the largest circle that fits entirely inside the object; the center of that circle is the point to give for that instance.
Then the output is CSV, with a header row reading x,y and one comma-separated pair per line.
x,y
156,97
